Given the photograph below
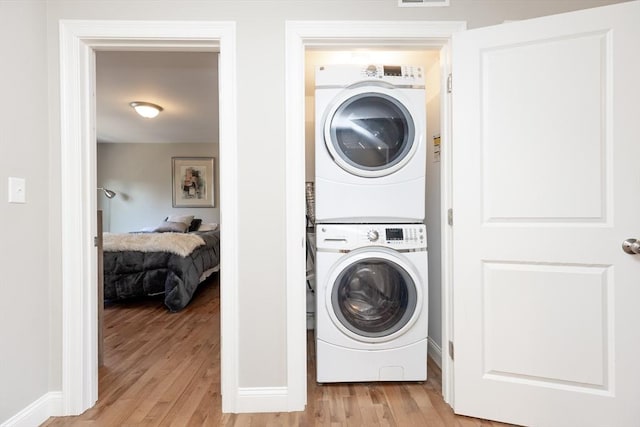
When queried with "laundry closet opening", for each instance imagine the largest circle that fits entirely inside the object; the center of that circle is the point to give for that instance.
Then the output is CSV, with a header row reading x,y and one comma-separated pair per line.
x,y
428,59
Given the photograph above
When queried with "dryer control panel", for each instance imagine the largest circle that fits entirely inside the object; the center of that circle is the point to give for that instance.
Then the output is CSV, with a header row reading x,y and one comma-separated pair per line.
x,y
342,75
405,71
347,237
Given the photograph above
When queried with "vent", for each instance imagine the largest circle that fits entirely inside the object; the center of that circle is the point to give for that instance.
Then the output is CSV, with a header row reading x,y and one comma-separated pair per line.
x,y
421,3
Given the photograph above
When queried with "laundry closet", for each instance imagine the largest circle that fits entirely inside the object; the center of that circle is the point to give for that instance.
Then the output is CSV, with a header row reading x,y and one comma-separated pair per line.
x,y
426,62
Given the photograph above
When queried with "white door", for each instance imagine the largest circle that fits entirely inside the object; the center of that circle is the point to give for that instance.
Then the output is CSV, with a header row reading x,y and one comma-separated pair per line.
x,y
546,146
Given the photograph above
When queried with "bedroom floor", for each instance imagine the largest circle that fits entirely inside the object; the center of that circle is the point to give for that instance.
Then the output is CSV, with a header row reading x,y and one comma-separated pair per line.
x,y
163,369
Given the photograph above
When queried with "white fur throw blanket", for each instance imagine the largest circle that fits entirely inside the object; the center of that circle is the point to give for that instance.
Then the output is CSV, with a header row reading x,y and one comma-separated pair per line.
x,y
178,243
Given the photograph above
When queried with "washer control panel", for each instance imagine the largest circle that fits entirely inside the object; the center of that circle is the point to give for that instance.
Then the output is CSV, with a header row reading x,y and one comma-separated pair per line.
x,y
405,234
353,236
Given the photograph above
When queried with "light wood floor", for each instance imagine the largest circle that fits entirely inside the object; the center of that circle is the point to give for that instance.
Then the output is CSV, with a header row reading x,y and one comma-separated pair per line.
x,y
163,369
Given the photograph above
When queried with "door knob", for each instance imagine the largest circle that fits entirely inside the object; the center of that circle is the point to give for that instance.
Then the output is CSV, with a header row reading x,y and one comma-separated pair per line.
x,y
631,246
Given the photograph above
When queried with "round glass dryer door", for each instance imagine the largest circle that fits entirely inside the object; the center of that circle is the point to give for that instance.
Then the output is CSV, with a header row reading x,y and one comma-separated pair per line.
x,y
370,134
374,298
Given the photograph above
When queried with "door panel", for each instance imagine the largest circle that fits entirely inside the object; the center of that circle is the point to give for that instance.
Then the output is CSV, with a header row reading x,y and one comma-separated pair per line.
x,y
545,137
548,84
523,302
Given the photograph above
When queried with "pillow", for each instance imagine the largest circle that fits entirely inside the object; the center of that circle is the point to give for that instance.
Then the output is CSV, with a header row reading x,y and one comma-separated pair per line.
x,y
212,226
180,218
171,227
195,224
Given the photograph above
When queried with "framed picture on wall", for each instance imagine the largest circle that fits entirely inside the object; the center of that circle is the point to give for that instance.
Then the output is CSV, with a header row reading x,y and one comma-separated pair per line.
x,y
193,182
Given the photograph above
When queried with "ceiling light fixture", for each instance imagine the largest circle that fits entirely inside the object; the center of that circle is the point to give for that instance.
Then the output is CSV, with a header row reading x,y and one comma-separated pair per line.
x,y
146,109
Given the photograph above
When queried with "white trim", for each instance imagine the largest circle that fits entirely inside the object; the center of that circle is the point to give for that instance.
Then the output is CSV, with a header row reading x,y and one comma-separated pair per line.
x,y
299,35
79,325
295,219
78,41
48,405
374,33
263,399
435,352
446,231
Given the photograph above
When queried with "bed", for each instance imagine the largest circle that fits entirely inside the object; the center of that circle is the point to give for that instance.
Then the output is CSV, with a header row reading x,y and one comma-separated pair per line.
x,y
155,263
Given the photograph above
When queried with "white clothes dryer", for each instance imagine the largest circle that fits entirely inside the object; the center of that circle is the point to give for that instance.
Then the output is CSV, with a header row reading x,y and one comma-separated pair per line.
x,y
371,302
370,148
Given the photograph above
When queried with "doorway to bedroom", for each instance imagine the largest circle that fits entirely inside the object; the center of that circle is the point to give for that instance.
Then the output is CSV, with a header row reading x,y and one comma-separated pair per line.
x,y
79,42
139,162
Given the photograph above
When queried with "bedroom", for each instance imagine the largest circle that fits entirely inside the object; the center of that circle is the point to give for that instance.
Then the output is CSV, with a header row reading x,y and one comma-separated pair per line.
x,y
142,160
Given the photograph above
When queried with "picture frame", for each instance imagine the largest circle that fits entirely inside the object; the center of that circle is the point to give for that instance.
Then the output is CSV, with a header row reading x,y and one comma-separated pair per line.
x,y
193,180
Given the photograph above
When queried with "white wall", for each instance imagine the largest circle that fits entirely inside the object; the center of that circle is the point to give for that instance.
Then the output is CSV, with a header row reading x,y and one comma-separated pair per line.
x,y
30,147
433,206
24,242
141,175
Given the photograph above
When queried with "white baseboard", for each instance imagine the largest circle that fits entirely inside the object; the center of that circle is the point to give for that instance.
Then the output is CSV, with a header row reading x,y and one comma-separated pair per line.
x,y
262,399
49,405
435,352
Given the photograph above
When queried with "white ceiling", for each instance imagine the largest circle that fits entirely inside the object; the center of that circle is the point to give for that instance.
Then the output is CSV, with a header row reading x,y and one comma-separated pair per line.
x,y
185,84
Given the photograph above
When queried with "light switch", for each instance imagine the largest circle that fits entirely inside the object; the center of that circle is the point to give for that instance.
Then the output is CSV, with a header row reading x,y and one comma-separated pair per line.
x,y
17,190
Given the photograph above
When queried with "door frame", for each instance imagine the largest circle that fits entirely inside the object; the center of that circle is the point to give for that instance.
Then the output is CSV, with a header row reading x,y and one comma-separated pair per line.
x,y
330,34
79,39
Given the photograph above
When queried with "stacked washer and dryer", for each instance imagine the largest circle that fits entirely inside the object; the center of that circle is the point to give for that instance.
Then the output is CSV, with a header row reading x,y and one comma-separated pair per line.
x,y
371,242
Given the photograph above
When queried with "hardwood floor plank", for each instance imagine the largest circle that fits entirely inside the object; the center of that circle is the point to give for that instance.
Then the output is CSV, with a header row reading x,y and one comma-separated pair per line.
x,y
163,369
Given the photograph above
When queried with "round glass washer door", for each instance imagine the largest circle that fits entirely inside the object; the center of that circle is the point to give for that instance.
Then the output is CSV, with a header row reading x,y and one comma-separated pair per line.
x,y
373,296
370,132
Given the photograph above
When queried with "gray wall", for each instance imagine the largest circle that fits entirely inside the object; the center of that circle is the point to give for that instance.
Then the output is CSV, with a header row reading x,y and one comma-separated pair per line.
x,y
25,259
141,175
30,147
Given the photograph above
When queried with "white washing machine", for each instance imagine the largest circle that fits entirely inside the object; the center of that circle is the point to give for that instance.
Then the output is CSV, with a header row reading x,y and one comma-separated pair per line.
x,y
370,148
371,302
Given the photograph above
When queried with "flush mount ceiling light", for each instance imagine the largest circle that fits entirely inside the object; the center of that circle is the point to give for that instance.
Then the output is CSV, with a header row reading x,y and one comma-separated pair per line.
x,y
146,109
